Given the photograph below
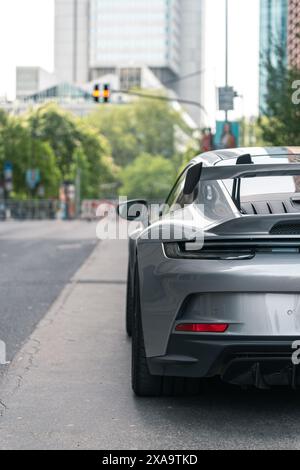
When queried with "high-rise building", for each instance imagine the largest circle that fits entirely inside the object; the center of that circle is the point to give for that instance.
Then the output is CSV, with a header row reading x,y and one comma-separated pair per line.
x,y
191,59
72,40
273,33
294,33
100,37
135,33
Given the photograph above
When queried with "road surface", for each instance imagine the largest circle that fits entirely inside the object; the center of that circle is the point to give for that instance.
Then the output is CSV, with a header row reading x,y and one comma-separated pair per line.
x,y
69,385
37,260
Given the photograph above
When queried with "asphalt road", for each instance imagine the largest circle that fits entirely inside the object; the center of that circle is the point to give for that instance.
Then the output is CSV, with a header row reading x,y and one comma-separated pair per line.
x,y
37,259
69,386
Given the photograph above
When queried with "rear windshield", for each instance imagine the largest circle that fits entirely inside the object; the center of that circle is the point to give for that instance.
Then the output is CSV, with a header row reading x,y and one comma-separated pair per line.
x,y
213,202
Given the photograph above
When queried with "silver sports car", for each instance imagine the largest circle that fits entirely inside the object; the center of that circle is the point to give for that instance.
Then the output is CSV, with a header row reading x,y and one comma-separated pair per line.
x,y
214,275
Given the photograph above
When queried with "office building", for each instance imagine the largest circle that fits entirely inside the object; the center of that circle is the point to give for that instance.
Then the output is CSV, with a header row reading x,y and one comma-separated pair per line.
x,y
294,33
95,38
72,40
273,33
30,80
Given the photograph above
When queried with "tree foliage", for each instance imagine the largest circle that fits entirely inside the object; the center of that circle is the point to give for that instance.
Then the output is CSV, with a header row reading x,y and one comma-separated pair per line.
x,y
144,126
76,146
59,145
148,177
280,121
134,145
18,148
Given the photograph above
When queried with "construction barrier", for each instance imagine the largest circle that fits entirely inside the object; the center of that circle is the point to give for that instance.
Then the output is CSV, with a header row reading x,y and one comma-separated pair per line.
x,y
97,209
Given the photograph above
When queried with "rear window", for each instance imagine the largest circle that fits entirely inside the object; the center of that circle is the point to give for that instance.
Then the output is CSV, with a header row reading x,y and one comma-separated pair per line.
x,y
213,202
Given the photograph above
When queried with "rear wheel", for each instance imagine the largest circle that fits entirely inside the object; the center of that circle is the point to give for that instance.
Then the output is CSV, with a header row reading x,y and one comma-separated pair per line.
x,y
143,383
129,305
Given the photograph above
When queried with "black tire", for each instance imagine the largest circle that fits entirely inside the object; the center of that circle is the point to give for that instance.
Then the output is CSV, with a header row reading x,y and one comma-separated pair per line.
x,y
143,383
129,305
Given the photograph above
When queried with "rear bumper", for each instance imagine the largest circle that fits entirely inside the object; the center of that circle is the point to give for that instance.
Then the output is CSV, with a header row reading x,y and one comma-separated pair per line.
x,y
252,361
258,296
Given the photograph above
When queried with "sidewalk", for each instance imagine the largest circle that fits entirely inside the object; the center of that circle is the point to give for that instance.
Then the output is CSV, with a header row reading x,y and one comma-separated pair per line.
x,y
56,391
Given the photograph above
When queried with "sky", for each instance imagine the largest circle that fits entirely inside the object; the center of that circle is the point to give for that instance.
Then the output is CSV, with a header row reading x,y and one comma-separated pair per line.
x,y
27,38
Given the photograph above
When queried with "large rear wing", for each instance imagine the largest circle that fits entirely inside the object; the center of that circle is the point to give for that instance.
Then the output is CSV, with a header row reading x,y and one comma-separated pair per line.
x,y
243,169
248,171
247,225
199,172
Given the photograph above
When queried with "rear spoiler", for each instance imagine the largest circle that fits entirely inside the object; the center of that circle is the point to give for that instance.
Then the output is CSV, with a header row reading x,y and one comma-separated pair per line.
x,y
198,172
243,169
248,171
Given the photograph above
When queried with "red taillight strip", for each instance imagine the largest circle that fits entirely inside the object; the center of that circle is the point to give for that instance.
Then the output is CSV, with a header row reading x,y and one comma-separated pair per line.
x,y
202,327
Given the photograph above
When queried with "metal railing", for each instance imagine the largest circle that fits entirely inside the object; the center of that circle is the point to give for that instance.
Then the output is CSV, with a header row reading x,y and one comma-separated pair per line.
x,y
29,210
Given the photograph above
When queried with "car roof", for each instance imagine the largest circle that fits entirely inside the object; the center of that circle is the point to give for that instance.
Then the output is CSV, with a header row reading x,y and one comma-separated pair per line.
x,y
211,158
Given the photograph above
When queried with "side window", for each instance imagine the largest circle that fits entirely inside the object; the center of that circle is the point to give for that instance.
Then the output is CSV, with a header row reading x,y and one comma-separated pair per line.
x,y
176,194
177,198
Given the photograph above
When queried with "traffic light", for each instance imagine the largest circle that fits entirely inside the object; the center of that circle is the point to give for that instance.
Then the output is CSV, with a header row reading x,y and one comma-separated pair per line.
x,y
102,96
106,93
96,94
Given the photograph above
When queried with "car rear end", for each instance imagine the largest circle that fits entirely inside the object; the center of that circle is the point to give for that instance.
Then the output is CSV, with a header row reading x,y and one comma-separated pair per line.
x,y
230,309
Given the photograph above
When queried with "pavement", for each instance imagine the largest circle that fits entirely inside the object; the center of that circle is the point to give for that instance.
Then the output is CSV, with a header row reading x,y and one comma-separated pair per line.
x,y
68,387
37,259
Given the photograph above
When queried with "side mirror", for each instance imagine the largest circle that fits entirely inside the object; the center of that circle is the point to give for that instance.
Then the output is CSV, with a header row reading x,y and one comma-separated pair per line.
x,y
135,210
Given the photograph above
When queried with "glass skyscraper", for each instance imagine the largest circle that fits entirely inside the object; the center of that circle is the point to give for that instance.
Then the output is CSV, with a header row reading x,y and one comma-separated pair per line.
x,y
273,32
136,32
164,35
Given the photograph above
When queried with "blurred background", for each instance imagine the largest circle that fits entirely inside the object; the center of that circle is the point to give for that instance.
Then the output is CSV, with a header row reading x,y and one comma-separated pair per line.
x,y
106,97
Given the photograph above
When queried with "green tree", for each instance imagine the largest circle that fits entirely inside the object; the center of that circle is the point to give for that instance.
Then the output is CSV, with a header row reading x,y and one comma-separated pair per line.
x,y
60,146
54,125
116,124
148,177
23,152
280,121
43,159
14,146
191,152
143,126
76,146
251,134
99,166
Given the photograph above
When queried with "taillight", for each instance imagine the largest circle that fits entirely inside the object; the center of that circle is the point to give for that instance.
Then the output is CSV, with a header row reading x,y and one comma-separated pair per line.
x,y
232,249
179,251
202,327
